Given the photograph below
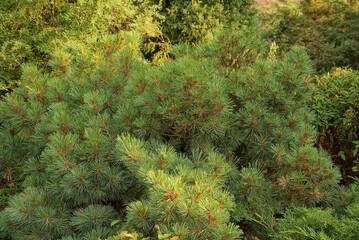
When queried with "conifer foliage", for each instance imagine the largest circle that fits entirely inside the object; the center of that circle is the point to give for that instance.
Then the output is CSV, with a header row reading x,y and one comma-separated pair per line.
x,y
184,197
189,148
72,176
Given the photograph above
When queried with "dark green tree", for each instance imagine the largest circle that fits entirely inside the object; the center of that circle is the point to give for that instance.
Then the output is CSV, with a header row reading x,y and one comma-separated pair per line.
x,y
192,21
328,29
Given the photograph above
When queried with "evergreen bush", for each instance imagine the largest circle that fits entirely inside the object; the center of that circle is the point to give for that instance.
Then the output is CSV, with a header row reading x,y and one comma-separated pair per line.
x,y
219,138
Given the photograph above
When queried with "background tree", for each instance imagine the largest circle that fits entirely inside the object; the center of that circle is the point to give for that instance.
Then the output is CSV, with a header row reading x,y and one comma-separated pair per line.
x,y
32,29
191,21
328,29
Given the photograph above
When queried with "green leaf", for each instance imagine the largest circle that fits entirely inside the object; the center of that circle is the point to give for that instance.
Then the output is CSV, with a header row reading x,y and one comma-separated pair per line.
x,y
114,222
355,151
163,236
342,155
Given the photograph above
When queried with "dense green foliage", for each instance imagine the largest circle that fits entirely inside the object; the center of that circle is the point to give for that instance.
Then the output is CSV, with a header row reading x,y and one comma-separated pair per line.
x,y
114,133
336,103
223,136
315,223
30,30
329,29
191,21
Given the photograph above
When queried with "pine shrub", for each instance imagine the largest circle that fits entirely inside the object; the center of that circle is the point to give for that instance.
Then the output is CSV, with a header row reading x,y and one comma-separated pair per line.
x,y
215,139
184,197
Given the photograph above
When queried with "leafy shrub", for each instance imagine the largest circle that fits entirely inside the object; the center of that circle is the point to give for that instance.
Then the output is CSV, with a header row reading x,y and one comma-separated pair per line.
x,y
221,122
191,21
336,105
328,29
